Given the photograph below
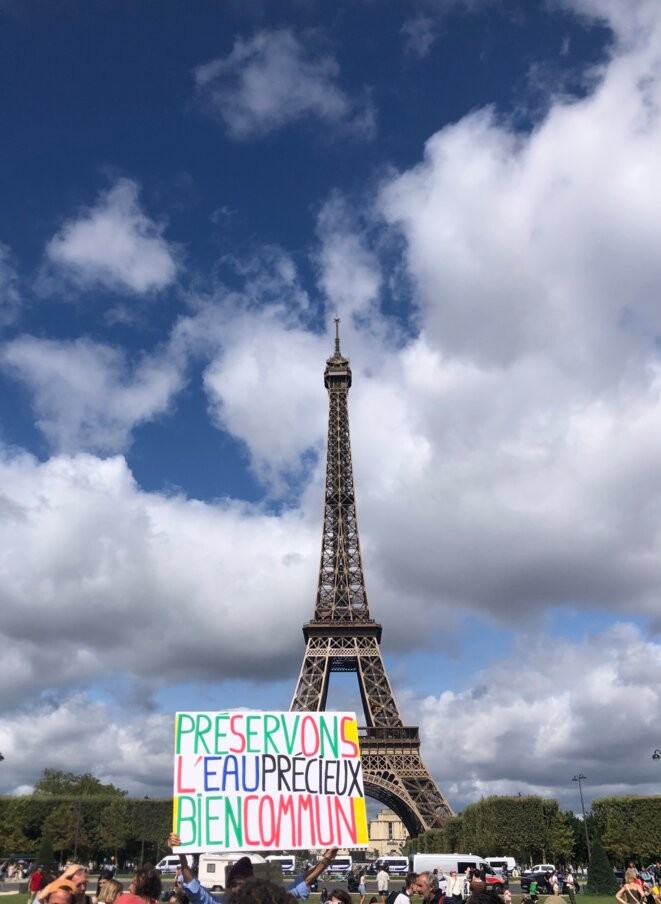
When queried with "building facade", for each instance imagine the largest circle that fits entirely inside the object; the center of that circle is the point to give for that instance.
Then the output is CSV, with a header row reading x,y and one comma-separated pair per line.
x,y
387,833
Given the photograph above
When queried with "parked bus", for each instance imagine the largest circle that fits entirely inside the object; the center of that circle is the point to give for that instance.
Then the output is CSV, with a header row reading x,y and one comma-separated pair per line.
x,y
342,864
457,862
286,861
396,866
498,864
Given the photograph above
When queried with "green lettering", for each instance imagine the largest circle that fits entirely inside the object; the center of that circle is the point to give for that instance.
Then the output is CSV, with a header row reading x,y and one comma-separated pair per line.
x,y
200,732
290,741
210,818
189,818
222,717
270,719
233,823
181,730
333,740
252,732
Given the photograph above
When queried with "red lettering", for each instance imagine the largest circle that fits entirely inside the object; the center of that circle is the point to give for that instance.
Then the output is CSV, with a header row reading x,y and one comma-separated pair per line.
x,y
266,803
312,722
246,820
285,808
238,733
181,790
305,805
341,816
318,801
353,747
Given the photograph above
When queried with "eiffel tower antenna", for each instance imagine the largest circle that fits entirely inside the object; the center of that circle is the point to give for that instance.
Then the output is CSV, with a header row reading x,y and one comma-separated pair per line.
x,y
342,637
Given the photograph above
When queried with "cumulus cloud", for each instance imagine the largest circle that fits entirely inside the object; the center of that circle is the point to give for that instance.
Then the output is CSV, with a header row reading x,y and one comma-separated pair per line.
x,y
87,395
274,79
96,563
349,271
527,723
131,751
9,296
116,245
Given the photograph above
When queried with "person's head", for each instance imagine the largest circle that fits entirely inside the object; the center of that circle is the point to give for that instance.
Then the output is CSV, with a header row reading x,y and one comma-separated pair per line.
x,y
258,891
340,896
60,891
373,900
411,883
481,897
77,873
109,891
178,896
240,872
424,885
147,884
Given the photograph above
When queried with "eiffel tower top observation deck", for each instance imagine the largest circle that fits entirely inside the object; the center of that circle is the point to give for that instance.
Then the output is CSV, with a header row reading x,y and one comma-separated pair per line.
x,y
342,637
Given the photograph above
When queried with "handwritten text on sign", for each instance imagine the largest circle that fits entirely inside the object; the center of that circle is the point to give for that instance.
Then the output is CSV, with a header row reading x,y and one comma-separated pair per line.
x,y
245,781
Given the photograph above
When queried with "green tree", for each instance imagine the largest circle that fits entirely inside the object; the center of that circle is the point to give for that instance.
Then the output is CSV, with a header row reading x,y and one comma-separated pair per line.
x,y
113,827
46,855
601,880
56,783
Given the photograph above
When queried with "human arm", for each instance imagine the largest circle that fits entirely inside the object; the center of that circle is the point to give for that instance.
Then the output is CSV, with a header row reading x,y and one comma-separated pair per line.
x,y
174,841
302,889
320,866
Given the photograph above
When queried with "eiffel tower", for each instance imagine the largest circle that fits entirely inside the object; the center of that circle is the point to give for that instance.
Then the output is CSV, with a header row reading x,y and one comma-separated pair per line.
x,y
343,638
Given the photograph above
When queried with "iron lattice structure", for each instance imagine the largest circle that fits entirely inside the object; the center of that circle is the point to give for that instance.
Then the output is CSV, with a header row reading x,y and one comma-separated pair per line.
x,y
343,638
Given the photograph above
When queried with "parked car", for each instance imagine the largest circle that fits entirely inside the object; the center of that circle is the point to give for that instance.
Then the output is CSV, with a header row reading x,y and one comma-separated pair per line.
x,y
543,884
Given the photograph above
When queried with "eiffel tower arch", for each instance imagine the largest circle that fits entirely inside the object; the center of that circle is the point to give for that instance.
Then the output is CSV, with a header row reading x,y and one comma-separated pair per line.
x,y
342,637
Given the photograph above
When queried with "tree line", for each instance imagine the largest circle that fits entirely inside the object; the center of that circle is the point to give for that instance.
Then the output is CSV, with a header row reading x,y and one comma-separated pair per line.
x,y
533,829
80,816
83,817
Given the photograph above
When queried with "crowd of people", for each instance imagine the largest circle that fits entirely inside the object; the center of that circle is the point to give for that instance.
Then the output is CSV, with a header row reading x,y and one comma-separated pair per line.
x,y
636,890
243,887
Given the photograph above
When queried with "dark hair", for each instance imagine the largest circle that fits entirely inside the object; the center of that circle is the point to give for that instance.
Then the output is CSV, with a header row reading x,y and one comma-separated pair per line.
x,y
259,891
147,883
343,896
411,879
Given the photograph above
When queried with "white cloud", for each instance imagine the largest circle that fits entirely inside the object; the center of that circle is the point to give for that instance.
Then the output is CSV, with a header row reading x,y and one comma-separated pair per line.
x,y
531,721
116,245
86,395
420,34
159,588
272,80
9,296
349,272
130,750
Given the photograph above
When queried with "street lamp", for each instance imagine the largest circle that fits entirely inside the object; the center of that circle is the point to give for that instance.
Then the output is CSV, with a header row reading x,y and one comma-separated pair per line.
x,y
655,756
581,778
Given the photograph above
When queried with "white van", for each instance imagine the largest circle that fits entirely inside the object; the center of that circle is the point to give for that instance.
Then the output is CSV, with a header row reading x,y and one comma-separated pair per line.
x,y
213,868
423,863
286,861
396,866
169,864
498,864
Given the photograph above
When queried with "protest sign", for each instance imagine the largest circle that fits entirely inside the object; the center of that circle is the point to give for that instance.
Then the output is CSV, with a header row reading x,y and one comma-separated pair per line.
x,y
252,781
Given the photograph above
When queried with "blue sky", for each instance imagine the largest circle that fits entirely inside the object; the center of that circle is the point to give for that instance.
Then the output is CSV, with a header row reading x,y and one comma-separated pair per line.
x,y
187,200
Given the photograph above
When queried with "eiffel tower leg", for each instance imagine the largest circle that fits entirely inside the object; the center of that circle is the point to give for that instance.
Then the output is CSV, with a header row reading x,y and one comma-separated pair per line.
x,y
312,685
393,772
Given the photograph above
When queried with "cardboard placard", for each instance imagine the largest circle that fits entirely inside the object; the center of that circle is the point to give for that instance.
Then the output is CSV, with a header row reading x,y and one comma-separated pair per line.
x,y
279,781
